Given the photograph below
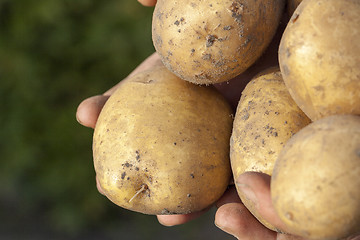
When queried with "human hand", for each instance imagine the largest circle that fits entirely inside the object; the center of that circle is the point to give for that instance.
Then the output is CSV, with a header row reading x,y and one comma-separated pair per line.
x,y
233,217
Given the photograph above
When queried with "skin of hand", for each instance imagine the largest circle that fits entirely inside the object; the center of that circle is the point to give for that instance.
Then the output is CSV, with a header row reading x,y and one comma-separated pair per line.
x,y
148,3
231,216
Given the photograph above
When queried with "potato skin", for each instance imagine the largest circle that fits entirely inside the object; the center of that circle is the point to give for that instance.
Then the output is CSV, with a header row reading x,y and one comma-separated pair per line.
x,y
319,57
158,143
315,185
266,117
211,41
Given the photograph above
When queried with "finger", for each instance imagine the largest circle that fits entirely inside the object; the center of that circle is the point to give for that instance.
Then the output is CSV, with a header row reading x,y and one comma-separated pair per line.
x,y
353,237
256,188
236,220
230,196
98,186
148,3
88,111
173,220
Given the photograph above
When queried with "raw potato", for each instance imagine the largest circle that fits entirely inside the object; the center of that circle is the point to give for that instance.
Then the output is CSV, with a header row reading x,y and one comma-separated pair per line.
x,y
315,185
265,119
319,57
210,41
158,143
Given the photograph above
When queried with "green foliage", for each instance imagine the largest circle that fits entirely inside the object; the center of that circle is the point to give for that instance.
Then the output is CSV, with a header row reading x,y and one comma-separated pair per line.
x,y
54,54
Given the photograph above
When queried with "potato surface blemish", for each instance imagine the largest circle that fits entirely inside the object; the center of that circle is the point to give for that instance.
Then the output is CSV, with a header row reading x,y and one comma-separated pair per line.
x,y
207,42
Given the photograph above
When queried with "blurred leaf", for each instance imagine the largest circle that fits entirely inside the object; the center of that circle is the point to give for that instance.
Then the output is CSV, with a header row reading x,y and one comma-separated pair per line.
x,y
54,54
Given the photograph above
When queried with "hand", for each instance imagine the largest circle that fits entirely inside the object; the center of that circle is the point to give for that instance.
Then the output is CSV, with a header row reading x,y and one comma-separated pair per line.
x,y
233,217
89,110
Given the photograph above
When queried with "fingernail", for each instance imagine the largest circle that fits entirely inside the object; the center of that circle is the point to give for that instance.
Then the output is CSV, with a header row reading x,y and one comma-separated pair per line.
x,y
99,188
77,118
225,230
217,225
247,192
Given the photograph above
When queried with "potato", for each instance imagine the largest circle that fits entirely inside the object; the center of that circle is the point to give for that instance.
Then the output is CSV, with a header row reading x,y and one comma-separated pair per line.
x,y
266,117
210,41
158,143
292,5
315,185
319,57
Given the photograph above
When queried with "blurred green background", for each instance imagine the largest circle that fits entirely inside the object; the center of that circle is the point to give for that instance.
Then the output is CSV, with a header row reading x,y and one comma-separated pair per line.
x,y
54,54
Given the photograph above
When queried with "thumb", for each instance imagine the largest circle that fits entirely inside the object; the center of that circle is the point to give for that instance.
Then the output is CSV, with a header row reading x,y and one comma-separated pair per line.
x,y
255,187
88,111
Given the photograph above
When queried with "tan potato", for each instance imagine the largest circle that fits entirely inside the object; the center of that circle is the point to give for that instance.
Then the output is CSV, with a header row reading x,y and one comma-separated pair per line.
x,y
292,5
158,143
265,119
210,41
319,57
315,185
